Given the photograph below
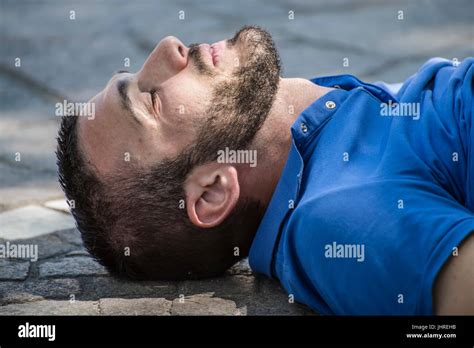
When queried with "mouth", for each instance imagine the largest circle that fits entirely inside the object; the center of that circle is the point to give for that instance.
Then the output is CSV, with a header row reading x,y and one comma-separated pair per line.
x,y
211,52
215,54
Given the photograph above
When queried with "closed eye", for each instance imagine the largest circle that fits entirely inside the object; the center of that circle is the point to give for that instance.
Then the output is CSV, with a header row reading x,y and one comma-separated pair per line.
x,y
153,99
153,94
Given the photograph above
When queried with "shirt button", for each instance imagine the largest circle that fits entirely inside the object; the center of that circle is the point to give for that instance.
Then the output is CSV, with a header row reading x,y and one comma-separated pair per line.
x,y
304,127
330,104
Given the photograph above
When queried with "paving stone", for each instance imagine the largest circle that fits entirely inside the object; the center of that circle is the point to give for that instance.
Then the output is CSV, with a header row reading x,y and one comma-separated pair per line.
x,y
32,221
71,235
20,297
205,304
34,140
13,270
78,252
272,299
48,245
269,287
32,290
99,287
71,267
59,205
137,306
20,186
240,268
222,286
51,308
13,99
397,70
436,28
257,304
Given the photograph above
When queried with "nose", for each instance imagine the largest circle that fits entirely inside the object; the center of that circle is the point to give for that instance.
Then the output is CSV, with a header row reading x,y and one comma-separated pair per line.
x,y
176,52
168,58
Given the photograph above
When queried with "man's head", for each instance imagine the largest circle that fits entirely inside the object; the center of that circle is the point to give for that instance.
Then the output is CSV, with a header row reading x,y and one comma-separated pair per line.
x,y
150,199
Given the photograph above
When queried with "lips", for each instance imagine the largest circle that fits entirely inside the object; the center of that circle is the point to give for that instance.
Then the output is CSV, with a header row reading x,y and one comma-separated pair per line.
x,y
215,53
212,51
208,49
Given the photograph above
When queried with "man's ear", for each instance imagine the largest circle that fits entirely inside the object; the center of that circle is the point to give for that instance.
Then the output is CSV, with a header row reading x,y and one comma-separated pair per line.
x,y
212,192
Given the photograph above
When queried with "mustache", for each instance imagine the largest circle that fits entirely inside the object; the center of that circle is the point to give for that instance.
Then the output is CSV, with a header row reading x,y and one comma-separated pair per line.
x,y
195,56
194,52
250,34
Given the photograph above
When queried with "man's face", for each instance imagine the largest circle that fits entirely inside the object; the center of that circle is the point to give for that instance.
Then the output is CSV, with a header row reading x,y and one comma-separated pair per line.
x,y
181,95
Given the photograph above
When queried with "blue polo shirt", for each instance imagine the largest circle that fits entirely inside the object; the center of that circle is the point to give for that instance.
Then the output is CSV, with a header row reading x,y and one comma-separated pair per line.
x,y
376,194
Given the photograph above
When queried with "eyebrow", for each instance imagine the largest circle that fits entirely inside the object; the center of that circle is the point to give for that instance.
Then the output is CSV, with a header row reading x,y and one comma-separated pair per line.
x,y
122,88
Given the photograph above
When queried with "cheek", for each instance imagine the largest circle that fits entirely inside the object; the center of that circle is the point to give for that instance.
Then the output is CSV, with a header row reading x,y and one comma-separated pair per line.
x,y
228,63
230,60
185,102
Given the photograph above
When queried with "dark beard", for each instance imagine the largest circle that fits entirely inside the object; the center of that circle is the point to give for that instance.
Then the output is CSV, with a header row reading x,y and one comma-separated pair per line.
x,y
240,107
196,57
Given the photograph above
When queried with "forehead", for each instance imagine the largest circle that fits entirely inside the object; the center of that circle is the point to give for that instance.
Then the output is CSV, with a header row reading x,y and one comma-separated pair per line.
x,y
101,138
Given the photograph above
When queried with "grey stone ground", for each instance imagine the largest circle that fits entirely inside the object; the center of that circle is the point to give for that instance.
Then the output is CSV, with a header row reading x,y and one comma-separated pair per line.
x,y
72,59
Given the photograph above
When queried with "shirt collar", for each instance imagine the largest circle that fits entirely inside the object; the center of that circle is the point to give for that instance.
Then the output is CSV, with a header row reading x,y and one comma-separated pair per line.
x,y
349,82
263,245
285,196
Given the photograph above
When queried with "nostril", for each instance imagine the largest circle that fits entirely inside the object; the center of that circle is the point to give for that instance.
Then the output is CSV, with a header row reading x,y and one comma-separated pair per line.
x,y
180,50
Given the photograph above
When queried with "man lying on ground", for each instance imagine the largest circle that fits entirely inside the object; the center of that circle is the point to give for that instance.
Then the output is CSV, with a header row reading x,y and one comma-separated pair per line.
x,y
357,197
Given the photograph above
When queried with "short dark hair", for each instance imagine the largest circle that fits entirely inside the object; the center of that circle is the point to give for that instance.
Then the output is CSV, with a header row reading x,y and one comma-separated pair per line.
x,y
139,210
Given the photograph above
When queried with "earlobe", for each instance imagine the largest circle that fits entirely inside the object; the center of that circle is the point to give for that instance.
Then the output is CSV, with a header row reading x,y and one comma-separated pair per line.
x,y
212,192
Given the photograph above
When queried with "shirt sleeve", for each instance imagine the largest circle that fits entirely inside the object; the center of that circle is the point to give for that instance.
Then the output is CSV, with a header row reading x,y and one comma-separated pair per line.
x,y
444,88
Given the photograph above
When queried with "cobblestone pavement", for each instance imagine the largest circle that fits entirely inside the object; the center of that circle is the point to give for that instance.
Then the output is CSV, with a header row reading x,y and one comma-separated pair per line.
x,y
47,57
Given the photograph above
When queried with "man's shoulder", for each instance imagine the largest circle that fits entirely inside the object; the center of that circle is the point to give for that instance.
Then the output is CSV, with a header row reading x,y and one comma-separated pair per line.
x,y
436,69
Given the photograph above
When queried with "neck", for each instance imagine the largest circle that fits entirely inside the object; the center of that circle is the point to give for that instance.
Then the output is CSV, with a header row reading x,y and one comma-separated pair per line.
x,y
273,140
